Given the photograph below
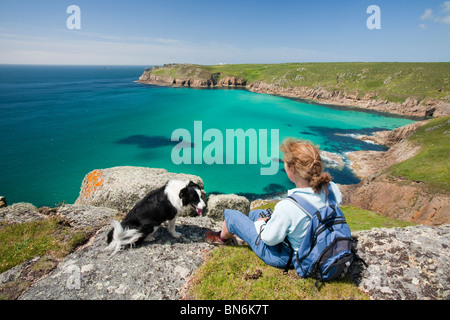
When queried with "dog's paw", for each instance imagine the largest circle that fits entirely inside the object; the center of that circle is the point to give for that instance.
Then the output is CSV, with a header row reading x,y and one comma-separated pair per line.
x,y
175,234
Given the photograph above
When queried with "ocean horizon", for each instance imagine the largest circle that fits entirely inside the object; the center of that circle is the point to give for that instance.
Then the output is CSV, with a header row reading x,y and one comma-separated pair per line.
x,y
58,123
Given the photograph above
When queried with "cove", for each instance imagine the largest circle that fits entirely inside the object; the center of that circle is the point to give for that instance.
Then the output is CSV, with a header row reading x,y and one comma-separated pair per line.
x,y
59,123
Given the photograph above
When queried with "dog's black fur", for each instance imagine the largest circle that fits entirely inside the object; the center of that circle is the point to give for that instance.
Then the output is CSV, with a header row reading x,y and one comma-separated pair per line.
x,y
154,209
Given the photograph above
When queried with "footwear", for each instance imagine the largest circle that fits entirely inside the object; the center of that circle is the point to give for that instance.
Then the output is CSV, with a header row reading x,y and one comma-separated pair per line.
x,y
238,240
213,237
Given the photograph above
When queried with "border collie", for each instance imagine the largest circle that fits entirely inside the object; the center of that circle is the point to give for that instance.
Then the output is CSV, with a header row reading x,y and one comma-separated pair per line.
x,y
156,207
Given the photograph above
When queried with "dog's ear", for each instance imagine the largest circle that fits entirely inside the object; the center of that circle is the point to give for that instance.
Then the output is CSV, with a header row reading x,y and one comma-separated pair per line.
x,y
183,192
191,183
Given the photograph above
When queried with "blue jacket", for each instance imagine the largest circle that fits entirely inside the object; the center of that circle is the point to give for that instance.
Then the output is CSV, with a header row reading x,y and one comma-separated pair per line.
x,y
291,221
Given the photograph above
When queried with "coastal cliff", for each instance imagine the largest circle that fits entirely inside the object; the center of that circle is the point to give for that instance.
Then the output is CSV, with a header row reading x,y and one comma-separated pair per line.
x,y
411,107
410,180
371,86
184,78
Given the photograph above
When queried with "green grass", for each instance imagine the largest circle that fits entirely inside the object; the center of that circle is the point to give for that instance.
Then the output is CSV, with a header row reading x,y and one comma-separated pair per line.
x,y
227,272
50,239
223,276
432,164
393,82
23,241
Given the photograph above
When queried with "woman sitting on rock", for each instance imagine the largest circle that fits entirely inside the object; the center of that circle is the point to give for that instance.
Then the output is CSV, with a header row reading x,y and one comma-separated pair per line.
x,y
266,236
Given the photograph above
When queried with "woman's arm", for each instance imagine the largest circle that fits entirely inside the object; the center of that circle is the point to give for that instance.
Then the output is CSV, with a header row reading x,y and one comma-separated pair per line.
x,y
274,230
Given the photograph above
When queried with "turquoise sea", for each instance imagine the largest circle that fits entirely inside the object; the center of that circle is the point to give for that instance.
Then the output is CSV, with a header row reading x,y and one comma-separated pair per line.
x,y
57,123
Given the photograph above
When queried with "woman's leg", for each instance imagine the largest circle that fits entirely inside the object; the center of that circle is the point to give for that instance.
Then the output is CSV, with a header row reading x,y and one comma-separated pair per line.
x,y
225,234
243,226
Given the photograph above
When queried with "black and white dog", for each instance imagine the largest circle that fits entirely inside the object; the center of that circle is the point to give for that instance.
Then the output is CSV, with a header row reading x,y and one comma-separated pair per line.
x,y
156,207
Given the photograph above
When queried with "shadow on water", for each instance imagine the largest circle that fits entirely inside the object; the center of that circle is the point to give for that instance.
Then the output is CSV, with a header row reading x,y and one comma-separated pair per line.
x,y
343,176
150,142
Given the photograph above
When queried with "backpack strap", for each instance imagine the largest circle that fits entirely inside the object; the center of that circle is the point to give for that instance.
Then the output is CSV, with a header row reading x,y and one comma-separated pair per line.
x,y
291,256
309,209
331,198
305,205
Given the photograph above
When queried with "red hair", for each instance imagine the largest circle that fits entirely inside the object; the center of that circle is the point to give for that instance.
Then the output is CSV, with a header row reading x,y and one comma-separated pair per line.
x,y
304,157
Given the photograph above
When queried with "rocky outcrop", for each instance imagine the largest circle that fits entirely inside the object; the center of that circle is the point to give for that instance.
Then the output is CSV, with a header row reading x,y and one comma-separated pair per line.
x,y
84,216
395,197
2,202
392,137
218,203
229,81
156,270
19,213
404,263
367,163
410,107
120,188
205,81
404,200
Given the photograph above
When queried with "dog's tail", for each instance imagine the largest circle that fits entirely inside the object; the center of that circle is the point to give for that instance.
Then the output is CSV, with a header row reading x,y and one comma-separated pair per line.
x,y
119,237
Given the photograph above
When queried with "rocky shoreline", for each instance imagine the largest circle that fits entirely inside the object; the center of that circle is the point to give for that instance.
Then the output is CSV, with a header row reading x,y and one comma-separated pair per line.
x,y
411,107
395,197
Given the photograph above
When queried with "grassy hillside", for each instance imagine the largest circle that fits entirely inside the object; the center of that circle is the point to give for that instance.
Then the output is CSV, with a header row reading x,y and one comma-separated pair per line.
x,y
236,273
394,82
432,164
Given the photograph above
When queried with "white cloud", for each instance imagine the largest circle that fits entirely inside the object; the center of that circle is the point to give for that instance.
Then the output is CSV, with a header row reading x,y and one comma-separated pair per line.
x,y
423,26
442,17
446,6
428,15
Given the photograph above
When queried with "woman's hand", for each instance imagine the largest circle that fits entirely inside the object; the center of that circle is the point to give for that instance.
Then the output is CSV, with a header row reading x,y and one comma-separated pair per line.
x,y
264,219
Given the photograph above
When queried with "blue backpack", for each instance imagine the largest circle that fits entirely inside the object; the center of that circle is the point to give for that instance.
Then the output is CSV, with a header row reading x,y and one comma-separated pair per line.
x,y
327,248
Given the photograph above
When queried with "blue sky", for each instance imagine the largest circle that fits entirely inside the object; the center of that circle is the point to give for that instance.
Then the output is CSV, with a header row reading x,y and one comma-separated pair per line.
x,y
210,32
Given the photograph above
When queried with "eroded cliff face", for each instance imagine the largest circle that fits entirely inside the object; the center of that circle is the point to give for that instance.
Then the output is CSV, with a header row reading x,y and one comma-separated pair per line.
x,y
214,80
411,107
395,197
400,199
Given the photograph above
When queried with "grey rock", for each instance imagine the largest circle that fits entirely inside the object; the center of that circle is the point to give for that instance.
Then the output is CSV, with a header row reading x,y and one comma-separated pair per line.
x,y
155,270
404,263
19,213
82,216
2,202
15,272
121,188
218,203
